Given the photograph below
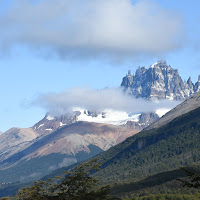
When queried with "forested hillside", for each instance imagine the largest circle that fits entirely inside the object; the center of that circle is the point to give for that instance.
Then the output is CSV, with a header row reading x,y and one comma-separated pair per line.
x,y
169,147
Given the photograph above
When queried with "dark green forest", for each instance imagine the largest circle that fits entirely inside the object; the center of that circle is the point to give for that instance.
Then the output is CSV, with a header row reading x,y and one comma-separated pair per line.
x,y
150,152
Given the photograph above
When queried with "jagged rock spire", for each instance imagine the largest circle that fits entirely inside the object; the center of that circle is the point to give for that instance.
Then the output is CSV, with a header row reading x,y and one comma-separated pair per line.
x,y
190,84
197,85
160,81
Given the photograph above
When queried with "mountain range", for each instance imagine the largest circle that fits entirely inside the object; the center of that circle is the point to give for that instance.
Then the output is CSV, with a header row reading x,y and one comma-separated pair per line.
x,y
144,160
59,141
149,162
65,146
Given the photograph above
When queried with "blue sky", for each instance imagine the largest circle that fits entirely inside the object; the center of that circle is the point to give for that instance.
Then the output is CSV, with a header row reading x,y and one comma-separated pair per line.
x,y
52,52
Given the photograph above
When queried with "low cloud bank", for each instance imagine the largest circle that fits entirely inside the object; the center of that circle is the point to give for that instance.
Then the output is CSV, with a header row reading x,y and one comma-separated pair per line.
x,y
98,100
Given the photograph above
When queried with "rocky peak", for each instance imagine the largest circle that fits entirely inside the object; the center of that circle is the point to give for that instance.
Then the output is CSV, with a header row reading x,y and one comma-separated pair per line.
x,y
197,85
50,123
189,82
148,118
160,64
140,71
159,81
128,79
144,121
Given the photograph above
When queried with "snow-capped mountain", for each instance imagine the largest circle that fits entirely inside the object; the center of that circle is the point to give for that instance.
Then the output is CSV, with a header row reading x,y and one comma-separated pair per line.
x,y
50,123
139,120
108,116
79,135
159,81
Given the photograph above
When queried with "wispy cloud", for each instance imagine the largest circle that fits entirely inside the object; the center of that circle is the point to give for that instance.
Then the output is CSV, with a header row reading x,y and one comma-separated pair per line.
x,y
92,28
97,100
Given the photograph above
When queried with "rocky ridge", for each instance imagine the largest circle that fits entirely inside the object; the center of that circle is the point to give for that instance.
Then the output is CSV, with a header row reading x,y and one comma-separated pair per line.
x,y
137,121
188,105
50,123
159,81
144,121
14,140
70,140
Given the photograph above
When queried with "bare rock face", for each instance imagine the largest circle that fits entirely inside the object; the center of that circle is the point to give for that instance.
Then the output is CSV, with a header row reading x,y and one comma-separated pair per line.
x,y
160,81
78,136
50,123
183,108
91,113
145,120
197,85
24,150
14,140
148,118
17,139
69,140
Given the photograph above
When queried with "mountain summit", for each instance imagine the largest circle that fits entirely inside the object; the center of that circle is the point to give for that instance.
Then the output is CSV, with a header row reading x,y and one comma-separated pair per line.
x,y
159,81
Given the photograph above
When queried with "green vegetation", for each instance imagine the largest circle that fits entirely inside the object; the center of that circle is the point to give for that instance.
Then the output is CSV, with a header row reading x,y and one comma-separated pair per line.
x,y
162,183
42,166
193,178
33,168
167,197
77,184
150,152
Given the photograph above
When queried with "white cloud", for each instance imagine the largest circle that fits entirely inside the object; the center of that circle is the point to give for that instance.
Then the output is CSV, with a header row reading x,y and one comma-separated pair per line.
x,y
98,100
92,28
